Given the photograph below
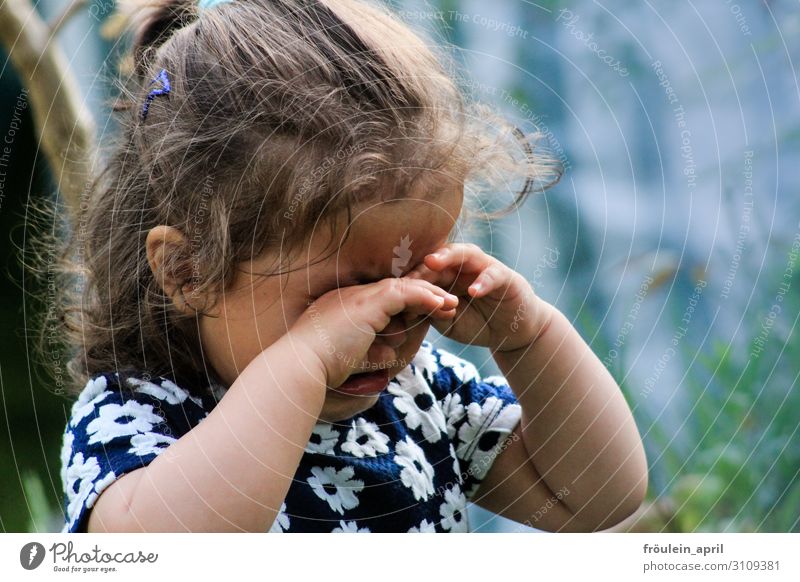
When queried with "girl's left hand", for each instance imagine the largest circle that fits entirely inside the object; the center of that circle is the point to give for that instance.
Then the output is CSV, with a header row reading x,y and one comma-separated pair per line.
x,y
497,307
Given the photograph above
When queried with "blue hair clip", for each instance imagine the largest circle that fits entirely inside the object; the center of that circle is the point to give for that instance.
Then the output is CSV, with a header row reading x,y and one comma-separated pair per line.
x,y
206,4
162,89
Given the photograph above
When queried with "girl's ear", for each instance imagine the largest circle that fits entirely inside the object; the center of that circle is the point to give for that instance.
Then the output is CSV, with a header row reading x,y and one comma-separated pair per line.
x,y
168,253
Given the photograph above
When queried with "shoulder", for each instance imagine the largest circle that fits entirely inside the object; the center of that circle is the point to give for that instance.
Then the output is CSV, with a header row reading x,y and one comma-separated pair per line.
x,y
119,423
127,397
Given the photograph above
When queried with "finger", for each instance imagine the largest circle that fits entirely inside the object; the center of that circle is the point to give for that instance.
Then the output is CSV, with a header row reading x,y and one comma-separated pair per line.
x,y
444,314
450,300
491,278
422,272
416,296
469,257
444,279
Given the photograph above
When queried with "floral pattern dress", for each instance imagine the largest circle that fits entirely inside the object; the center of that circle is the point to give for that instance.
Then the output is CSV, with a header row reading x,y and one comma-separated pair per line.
x,y
410,463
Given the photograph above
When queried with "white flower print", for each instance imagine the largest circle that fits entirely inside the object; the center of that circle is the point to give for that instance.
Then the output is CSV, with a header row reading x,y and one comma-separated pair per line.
x,y
93,393
464,370
453,412
327,437
79,483
170,392
149,443
281,523
478,417
417,472
349,527
454,510
489,432
338,488
495,381
413,397
456,466
426,362
66,454
106,427
365,439
424,357
424,527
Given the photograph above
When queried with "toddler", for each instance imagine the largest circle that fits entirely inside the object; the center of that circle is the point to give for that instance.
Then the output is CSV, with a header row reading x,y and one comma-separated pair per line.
x,y
261,258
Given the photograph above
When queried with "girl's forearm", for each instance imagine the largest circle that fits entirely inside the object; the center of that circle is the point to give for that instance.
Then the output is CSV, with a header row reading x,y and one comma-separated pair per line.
x,y
233,470
577,427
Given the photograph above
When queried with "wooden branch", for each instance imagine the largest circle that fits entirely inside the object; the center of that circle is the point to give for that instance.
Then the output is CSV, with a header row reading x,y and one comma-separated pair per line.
x,y
65,127
68,12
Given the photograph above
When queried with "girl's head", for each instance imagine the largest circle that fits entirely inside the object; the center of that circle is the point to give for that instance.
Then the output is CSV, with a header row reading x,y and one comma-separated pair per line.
x,y
299,145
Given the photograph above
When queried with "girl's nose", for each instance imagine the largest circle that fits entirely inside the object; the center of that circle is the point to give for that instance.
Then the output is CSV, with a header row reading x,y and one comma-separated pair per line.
x,y
394,334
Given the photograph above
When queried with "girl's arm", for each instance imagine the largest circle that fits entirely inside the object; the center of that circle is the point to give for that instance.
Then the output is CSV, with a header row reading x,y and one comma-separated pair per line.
x,y
232,471
580,463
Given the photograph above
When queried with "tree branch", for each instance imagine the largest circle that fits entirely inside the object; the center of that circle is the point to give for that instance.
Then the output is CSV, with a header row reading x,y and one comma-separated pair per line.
x,y
65,126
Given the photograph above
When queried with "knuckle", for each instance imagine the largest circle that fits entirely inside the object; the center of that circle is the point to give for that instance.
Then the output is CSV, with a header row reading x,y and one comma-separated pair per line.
x,y
394,285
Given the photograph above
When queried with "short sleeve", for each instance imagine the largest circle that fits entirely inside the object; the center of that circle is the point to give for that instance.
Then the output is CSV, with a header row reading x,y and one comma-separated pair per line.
x,y
115,429
480,413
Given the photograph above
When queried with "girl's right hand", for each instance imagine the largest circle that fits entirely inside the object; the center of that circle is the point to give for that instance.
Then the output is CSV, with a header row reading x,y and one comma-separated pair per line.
x,y
341,326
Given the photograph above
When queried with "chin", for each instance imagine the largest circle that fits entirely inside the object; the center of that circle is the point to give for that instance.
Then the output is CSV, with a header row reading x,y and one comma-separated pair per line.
x,y
339,406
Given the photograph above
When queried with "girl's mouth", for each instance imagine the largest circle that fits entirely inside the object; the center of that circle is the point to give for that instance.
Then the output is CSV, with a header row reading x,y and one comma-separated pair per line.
x,y
365,384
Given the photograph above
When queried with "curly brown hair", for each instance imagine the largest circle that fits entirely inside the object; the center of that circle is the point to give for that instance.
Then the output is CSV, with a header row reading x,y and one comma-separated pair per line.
x,y
281,114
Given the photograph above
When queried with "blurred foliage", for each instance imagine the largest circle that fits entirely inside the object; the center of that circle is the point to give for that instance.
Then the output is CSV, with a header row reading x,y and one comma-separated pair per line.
x,y
32,416
733,464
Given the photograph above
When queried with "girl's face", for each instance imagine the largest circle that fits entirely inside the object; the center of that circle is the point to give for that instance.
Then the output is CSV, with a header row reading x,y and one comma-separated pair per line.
x,y
258,310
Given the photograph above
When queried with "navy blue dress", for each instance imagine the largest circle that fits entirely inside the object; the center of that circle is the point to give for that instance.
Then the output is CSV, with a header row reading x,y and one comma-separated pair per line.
x,y
409,463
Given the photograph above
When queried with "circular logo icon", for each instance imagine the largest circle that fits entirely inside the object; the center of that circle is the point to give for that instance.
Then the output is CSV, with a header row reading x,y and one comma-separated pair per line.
x,y
31,555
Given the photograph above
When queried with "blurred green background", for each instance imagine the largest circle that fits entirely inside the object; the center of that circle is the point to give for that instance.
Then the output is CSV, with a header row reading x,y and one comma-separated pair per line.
x,y
668,242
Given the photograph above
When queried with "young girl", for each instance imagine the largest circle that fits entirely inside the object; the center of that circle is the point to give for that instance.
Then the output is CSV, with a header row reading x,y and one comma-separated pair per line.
x,y
261,259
